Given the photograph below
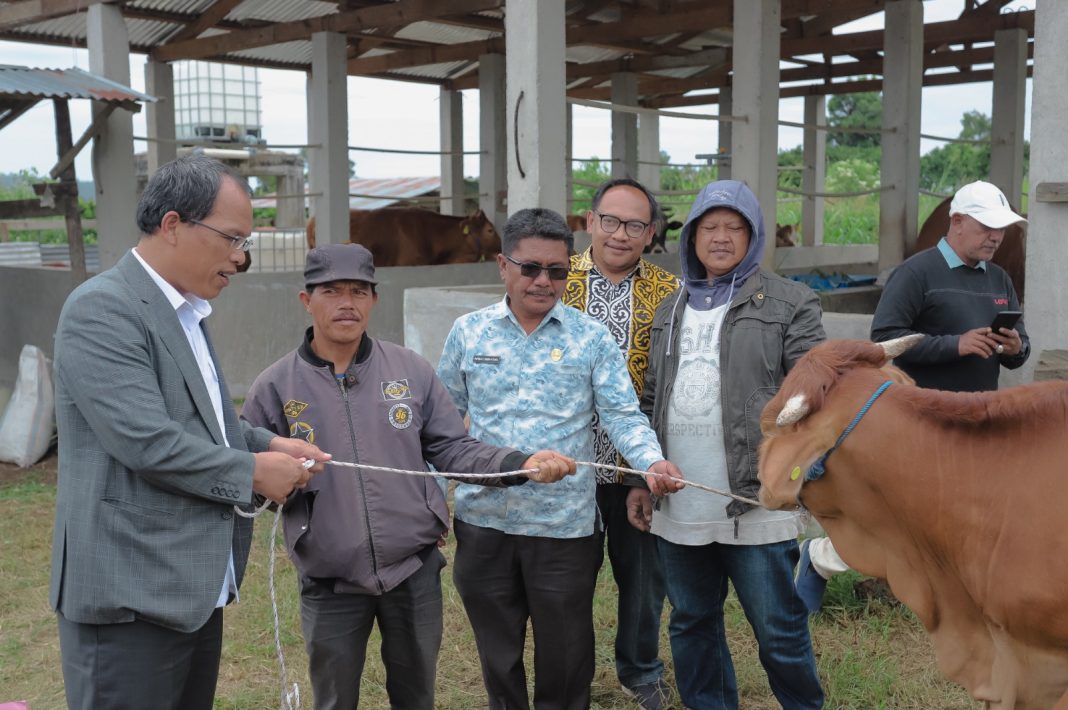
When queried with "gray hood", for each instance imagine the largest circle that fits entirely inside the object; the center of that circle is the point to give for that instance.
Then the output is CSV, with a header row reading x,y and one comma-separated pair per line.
x,y
703,294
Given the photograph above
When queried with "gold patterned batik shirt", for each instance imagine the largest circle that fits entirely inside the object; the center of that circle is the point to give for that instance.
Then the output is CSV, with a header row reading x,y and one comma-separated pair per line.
x,y
627,310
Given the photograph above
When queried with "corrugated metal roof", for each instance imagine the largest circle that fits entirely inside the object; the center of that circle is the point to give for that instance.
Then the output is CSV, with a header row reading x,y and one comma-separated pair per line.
x,y
385,191
438,33
64,83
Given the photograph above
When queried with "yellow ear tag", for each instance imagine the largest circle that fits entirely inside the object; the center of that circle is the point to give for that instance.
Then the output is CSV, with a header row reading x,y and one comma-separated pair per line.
x,y
796,473
467,229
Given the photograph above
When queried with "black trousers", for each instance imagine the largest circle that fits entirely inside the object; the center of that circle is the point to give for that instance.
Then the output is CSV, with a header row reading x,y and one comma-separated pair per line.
x,y
140,665
337,626
506,579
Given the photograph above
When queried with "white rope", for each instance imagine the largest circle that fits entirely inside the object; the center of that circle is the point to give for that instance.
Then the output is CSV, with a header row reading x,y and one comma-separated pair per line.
x,y
290,698
527,471
857,193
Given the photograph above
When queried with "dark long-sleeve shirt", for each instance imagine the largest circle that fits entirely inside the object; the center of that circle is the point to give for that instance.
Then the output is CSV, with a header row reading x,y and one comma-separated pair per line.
x,y
935,294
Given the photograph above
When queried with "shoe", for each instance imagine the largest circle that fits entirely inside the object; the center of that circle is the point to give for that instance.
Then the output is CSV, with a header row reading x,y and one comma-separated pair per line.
x,y
650,696
808,582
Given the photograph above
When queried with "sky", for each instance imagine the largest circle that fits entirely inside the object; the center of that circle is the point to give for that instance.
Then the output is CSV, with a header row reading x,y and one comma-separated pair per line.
x,y
386,114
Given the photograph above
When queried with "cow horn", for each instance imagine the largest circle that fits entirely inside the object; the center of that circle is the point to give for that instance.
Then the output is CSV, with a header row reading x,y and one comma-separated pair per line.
x,y
895,347
793,411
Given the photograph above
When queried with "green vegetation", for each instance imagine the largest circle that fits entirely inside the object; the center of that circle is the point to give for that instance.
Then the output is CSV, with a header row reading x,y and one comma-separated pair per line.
x,y
852,166
871,652
19,186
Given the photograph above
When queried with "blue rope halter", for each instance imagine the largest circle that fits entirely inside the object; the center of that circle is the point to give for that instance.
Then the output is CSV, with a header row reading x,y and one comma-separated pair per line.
x,y
817,469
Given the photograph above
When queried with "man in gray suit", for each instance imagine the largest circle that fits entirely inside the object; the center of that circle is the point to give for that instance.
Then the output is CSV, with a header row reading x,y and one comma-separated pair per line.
x,y
152,457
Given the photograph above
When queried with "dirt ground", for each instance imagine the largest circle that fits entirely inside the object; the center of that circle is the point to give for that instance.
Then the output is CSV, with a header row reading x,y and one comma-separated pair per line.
x,y
44,471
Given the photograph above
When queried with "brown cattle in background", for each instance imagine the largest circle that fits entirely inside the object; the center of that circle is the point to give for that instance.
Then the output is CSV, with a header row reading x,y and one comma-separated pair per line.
x,y
576,222
407,236
1009,256
784,234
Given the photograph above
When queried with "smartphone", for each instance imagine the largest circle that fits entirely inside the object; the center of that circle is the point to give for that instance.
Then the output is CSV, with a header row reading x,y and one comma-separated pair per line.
x,y
1005,319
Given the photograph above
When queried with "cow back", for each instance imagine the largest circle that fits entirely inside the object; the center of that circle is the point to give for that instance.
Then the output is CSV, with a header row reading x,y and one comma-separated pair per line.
x,y
404,236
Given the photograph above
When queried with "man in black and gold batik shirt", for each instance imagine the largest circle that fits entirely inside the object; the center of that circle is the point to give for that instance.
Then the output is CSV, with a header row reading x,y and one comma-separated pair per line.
x,y
612,283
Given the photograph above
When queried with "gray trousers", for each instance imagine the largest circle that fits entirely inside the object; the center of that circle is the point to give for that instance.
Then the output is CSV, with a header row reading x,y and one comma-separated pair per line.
x,y
138,665
505,579
337,626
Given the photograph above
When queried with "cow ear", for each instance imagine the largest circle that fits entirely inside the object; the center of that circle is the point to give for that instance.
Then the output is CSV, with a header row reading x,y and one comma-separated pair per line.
x,y
894,348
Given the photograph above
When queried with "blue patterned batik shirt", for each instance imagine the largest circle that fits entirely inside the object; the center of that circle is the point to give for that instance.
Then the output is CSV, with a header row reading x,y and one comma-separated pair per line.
x,y
540,391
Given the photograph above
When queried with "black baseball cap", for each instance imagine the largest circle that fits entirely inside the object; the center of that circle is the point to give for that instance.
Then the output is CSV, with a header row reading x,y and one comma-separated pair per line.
x,y
339,262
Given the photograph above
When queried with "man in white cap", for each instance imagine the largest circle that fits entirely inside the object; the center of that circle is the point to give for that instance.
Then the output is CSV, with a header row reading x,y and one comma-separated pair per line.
x,y
950,293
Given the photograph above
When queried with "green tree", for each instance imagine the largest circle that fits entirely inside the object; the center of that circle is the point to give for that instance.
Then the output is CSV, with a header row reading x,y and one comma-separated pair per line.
x,y
585,180
791,161
949,166
863,110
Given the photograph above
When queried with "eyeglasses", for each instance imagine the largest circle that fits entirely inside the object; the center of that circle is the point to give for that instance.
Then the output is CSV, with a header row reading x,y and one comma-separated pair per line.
x,y
634,228
533,271
240,243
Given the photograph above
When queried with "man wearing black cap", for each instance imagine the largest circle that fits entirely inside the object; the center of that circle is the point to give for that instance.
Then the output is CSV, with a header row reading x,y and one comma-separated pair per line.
x,y
365,542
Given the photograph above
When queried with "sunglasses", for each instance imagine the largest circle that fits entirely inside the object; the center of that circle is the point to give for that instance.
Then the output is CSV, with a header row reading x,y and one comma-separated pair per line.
x,y
533,271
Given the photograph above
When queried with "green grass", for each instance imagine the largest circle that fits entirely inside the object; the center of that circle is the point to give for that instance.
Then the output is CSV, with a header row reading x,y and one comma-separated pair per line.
x,y
849,220
870,653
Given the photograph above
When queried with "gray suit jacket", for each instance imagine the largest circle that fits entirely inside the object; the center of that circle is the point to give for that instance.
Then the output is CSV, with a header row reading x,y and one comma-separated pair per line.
x,y
144,510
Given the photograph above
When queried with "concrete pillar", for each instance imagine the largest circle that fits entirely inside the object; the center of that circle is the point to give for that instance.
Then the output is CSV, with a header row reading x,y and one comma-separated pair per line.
x,y
451,109
624,126
649,150
900,167
754,143
328,127
536,114
726,132
569,157
493,162
311,155
290,210
814,174
1007,122
112,157
1047,259
159,116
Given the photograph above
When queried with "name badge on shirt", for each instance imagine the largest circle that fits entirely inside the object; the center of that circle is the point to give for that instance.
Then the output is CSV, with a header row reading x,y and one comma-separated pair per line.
x,y
487,359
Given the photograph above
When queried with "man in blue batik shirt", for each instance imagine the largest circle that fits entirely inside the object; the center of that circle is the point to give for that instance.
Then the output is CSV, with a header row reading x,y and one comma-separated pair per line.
x,y
533,370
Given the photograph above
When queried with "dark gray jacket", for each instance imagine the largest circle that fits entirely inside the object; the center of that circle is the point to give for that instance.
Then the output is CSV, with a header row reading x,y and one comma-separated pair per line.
x,y
770,323
363,530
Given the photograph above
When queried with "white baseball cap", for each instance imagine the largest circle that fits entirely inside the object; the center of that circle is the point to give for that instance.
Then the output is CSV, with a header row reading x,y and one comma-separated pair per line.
x,y
986,203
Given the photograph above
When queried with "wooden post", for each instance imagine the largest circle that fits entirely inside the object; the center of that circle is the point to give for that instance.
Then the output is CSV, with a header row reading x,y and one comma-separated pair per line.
x,y
68,193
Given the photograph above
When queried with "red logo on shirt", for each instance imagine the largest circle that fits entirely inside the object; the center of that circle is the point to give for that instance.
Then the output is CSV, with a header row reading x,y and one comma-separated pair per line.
x,y
1001,301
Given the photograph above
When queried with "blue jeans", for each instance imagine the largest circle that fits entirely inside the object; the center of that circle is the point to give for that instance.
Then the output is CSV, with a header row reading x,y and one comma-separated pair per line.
x,y
762,575
640,580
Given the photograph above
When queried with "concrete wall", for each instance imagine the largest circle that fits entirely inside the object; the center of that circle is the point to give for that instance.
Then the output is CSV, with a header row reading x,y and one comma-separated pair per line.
x,y
256,320
259,318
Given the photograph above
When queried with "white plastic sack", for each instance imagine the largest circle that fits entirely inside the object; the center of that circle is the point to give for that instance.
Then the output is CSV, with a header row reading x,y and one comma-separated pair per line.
x,y
30,417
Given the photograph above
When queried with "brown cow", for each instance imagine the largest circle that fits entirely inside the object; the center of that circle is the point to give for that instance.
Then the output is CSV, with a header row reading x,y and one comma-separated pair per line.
x,y
956,499
784,234
576,222
405,236
1009,256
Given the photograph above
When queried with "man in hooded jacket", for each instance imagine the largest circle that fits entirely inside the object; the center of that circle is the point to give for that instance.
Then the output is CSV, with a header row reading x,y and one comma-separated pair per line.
x,y
720,349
